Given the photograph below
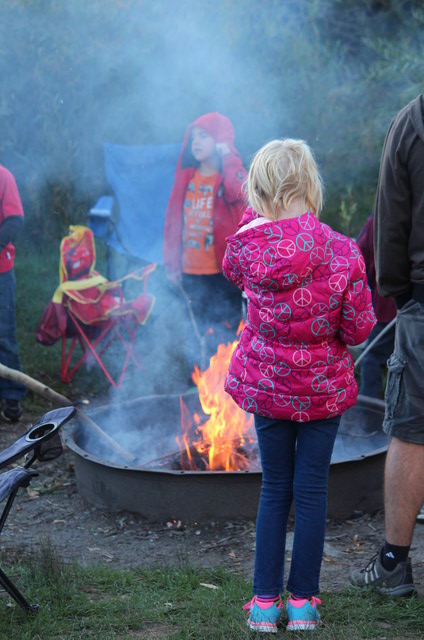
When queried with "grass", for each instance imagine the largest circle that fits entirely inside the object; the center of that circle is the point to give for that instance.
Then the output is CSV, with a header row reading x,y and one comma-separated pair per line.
x,y
179,604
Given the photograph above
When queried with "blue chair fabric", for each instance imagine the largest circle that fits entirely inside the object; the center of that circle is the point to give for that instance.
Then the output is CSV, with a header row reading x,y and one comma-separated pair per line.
x,y
141,178
40,443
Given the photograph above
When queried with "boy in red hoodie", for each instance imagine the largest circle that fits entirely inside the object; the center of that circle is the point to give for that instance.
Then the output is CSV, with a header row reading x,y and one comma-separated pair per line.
x,y
205,206
11,221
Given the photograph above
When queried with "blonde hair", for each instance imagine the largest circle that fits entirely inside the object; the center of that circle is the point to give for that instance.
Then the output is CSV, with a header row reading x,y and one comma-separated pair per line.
x,y
282,171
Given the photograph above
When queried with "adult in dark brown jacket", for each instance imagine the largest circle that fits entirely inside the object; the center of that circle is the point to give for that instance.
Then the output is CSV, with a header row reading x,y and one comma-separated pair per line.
x,y
399,259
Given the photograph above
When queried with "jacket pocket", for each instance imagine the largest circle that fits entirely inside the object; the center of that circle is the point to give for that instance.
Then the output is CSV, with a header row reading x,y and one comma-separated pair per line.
x,y
395,369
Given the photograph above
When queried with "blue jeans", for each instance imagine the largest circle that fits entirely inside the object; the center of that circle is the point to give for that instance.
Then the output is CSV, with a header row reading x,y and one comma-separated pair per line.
x,y
295,461
9,354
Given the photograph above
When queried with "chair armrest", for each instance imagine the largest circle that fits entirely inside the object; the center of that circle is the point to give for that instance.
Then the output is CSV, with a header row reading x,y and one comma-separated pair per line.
x,y
13,479
46,428
100,217
103,208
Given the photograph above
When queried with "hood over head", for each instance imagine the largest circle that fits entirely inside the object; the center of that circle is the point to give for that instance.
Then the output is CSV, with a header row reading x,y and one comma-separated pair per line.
x,y
217,125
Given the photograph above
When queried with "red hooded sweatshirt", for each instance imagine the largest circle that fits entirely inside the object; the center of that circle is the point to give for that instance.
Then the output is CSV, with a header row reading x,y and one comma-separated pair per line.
x,y
229,203
10,205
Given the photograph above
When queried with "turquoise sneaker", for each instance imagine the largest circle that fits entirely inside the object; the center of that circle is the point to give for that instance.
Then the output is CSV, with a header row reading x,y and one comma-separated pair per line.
x,y
264,617
303,614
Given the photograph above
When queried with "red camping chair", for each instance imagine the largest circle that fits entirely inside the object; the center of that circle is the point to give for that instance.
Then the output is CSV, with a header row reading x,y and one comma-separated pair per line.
x,y
89,311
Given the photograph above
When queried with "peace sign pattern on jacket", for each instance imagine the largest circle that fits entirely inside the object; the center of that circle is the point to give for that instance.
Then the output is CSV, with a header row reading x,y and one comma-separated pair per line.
x,y
308,298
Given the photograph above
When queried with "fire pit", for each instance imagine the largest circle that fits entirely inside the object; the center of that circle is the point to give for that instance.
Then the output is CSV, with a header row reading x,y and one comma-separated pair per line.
x,y
157,484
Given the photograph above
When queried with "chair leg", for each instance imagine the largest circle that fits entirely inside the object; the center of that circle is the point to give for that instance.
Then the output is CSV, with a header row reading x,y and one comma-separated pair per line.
x,y
6,582
65,375
123,330
110,264
13,591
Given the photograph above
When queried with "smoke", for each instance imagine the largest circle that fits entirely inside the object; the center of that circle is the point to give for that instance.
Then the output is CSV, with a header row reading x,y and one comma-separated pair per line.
x,y
76,75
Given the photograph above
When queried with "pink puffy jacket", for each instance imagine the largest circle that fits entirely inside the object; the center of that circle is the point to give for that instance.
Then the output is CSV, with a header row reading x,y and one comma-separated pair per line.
x,y
308,298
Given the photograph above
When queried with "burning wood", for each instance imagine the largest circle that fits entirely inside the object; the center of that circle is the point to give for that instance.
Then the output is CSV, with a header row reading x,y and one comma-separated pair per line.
x,y
223,438
224,442
244,457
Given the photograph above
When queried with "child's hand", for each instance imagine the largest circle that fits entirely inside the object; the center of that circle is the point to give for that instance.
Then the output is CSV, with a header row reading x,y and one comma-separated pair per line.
x,y
222,148
175,277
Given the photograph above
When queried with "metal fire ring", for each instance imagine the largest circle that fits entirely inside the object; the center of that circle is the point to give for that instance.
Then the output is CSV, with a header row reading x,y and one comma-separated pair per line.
x,y
149,425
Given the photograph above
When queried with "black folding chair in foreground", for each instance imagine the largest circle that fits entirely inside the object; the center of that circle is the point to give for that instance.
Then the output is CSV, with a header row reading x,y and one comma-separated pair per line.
x,y
41,443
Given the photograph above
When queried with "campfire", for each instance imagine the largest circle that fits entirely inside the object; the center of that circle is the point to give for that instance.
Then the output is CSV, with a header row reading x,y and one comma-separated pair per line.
x,y
214,472
226,441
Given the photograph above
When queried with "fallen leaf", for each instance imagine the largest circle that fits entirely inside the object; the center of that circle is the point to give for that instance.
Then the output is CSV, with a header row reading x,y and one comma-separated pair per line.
x,y
32,495
208,586
329,560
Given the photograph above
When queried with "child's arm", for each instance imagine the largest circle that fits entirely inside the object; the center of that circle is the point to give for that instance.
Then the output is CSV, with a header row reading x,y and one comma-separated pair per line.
x,y
234,175
365,241
231,264
358,317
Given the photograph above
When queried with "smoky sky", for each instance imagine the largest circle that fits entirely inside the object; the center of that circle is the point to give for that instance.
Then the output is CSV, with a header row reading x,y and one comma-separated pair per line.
x,y
79,74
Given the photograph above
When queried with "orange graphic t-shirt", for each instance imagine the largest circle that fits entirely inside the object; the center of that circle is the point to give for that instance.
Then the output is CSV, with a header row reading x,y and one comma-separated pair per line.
x,y
198,245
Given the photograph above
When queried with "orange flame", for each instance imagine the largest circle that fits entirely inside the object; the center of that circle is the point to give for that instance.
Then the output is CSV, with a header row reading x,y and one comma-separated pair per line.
x,y
221,439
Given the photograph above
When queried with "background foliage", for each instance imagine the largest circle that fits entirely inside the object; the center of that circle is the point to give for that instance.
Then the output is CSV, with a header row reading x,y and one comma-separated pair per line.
x,y
78,74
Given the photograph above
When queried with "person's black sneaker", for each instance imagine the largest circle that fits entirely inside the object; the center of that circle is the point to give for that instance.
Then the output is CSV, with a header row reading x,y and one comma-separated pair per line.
x,y
398,582
11,410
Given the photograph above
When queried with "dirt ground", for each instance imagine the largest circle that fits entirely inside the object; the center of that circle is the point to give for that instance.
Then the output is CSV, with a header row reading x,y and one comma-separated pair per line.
x,y
51,511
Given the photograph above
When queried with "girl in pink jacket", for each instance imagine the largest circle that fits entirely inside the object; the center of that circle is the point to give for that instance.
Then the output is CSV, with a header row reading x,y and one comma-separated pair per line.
x,y
308,298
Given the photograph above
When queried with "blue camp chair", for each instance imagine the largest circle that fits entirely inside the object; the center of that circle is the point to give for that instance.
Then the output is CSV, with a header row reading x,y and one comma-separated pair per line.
x,y
41,443
141,178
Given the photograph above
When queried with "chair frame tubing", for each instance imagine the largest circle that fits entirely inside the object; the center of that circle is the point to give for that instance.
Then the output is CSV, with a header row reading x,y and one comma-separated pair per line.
x,y
5,582
30,446
112,329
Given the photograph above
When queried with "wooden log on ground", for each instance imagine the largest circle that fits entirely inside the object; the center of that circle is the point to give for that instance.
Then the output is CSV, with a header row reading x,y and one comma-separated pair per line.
x,y
60,400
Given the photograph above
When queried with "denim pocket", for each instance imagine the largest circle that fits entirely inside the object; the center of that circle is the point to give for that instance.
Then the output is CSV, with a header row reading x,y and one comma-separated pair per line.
x,y
395,369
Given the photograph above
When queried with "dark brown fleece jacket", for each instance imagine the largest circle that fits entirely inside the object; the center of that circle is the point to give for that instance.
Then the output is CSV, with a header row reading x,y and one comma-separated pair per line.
x,y
399,215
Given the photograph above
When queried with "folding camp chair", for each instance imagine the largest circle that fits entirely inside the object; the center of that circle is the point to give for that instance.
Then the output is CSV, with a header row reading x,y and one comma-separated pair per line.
x,y
141,178
41,443
92,312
